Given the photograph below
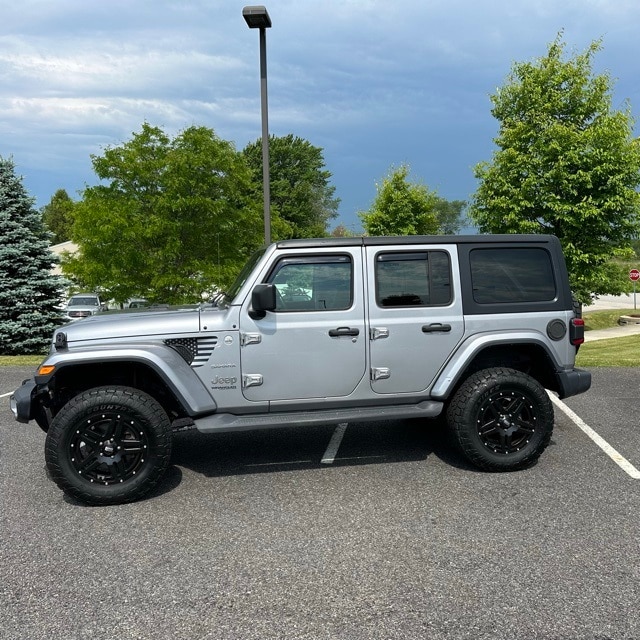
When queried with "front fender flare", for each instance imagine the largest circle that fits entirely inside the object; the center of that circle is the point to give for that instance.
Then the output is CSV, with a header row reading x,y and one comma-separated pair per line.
x,y
165,362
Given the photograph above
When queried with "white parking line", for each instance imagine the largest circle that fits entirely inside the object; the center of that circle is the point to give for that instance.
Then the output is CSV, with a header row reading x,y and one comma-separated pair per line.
x,y
6,395
620,460
334,444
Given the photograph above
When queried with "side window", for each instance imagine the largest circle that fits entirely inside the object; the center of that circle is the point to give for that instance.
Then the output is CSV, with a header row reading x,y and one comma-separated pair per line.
x,y
512,275
313,283
413,279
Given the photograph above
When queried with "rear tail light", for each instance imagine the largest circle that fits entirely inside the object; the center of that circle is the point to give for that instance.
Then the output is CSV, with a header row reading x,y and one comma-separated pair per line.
x,y
576,331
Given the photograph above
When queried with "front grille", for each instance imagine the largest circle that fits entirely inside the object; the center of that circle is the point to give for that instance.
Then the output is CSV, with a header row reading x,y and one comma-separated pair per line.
x,y
199,349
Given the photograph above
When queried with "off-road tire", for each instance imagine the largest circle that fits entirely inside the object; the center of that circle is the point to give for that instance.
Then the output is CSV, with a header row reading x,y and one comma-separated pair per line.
x,y
501,419
109,445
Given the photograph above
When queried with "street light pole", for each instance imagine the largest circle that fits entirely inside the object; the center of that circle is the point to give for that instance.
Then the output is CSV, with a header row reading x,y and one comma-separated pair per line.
x,y
257,17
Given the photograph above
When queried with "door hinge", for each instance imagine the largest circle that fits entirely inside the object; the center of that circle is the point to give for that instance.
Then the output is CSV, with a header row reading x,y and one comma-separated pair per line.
x,y
380,373
251,380
250,338
375,333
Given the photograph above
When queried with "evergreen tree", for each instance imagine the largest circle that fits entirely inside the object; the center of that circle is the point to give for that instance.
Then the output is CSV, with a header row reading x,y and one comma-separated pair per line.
x,y
29,291
58,216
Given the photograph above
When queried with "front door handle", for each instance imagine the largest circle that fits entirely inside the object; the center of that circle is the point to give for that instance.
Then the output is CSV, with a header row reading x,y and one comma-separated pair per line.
x,y
435,327
343,331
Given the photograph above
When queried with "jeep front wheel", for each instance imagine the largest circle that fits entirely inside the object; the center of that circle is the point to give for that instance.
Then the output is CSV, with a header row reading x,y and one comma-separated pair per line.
x,y
502,419
109,445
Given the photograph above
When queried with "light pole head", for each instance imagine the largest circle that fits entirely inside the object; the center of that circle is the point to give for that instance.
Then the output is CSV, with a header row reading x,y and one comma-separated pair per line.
x,y
256,17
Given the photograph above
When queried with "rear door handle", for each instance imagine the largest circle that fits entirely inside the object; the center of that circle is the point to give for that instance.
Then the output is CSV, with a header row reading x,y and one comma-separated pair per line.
x,y
343,331
435,327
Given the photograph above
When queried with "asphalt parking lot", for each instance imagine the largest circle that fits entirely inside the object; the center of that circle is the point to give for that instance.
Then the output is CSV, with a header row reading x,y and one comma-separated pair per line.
x,y
251,535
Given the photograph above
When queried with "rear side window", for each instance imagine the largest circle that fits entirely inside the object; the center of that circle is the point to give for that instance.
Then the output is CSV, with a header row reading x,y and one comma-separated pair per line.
x,y
512,275
413,279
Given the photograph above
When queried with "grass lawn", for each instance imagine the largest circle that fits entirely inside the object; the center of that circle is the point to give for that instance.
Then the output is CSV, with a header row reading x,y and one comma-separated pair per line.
x,y
615,352
19,361
604,319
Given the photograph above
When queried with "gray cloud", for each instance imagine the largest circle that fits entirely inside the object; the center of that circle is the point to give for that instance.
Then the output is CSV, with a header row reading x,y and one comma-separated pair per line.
x,y
374,83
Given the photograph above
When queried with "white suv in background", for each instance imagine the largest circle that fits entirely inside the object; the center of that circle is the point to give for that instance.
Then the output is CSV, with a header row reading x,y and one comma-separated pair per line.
x,y
83,305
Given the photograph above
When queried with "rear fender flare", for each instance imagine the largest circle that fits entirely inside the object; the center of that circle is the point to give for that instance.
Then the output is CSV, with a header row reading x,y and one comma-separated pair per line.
x,y
469,349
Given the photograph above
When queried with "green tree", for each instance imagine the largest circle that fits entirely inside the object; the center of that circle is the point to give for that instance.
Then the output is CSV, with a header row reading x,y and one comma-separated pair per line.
x,y
170,220
58,216
450,215
301,194
341,231
29,292
566,164
401,208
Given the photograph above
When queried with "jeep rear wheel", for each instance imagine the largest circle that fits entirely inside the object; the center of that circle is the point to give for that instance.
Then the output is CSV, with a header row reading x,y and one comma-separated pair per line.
x,y
502,419
109,445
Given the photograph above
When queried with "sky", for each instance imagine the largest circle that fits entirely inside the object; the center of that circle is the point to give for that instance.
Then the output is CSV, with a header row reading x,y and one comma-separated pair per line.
x,y
374,84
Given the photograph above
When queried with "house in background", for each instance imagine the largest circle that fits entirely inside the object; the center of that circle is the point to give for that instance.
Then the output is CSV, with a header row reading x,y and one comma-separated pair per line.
x,y
59,249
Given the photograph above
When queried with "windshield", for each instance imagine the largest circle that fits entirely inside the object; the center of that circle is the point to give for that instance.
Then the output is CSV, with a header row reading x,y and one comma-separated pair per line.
x,y
83,301
228,296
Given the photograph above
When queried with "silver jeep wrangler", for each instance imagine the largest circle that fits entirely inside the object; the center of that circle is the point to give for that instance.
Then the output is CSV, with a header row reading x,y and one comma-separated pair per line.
x,y
319,332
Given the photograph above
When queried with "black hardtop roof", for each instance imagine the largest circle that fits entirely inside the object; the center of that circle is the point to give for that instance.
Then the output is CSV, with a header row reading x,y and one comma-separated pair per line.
x,y
506,238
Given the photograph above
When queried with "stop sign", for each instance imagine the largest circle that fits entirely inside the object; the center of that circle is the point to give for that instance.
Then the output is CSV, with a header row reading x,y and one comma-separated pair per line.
x,y
634,275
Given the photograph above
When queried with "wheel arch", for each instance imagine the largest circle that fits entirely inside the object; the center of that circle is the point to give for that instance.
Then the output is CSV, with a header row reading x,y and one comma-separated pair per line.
x,y
160,372
528,355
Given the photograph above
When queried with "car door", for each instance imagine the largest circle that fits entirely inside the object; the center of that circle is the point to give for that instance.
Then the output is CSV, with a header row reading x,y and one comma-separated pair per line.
x,y
415,315
313,344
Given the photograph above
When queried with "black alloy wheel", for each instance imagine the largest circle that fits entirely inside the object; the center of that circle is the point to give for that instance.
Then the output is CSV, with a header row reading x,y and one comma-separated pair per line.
x,y
109,447
506,421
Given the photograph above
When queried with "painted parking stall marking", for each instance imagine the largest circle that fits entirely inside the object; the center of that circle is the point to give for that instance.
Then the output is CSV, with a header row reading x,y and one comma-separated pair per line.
x,y
619,459
334,444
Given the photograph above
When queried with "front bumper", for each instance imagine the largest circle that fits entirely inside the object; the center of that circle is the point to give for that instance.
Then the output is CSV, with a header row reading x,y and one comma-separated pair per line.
x,y
21,401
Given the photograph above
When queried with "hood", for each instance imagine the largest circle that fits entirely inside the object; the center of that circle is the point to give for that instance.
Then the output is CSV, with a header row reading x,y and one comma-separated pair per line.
x,y
132,325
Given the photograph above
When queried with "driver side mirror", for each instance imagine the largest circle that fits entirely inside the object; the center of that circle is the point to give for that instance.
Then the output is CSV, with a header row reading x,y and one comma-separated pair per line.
x,y
263,299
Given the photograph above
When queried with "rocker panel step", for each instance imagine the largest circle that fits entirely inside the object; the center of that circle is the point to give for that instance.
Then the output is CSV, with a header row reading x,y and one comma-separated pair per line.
x,y
220,422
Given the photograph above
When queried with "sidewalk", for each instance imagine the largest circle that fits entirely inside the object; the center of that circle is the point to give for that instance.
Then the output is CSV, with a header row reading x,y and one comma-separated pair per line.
x,y
624,303
613,332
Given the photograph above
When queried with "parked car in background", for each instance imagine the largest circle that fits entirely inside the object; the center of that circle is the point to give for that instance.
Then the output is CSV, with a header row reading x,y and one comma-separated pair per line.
x,y
83,305
136,303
